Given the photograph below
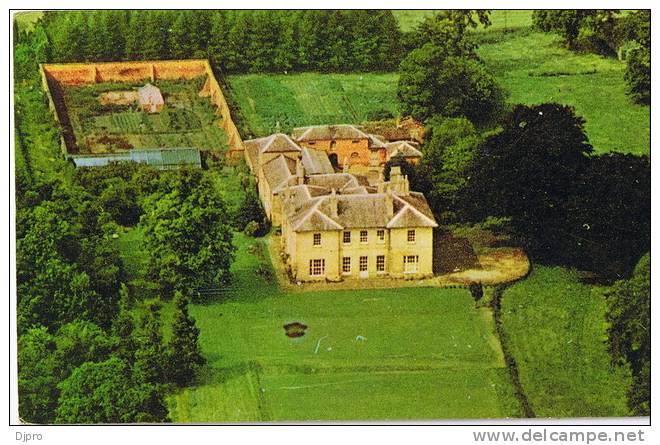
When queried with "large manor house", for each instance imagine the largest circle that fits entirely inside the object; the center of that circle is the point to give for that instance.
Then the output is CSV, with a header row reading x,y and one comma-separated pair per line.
x,y
339,218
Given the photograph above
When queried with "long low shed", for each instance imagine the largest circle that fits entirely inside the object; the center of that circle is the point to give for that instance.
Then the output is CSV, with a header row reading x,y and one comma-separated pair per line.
x,y
162,158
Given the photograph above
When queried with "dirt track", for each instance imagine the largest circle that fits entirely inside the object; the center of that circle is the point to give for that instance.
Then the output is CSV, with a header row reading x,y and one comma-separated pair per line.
x,y
500,266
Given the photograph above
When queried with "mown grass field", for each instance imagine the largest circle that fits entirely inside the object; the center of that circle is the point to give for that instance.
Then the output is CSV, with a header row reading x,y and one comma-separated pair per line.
x,y
428,354
557,334
533,67
280,102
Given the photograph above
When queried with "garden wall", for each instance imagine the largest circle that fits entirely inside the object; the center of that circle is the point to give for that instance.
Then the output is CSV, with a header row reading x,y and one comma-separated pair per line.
x,y
54,75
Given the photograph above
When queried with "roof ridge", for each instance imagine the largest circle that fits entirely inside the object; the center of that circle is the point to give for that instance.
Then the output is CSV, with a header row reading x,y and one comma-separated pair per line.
x,y
271,138
306,215
407,205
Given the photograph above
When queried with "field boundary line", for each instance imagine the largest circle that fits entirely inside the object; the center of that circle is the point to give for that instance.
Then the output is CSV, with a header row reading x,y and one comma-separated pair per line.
x,y
512,366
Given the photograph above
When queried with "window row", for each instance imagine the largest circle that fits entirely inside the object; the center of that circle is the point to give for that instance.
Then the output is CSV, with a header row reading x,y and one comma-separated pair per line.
x,y
317,266
363,264
364,236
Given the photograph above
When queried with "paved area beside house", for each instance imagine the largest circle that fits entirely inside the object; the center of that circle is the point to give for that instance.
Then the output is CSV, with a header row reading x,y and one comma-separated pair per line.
x,y
499,266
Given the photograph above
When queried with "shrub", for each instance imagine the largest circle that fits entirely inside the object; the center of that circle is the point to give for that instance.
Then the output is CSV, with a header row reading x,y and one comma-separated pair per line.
x,y
252,228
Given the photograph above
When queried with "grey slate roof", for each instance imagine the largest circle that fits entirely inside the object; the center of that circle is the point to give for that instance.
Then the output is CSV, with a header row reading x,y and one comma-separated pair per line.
x,y
328,132
337,181
404,148
279,172
376,141
356,211
275,143
316,162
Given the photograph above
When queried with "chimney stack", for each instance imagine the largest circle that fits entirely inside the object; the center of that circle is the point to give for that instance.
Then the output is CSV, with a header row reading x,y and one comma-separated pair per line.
x,y
389,203
396,179
332,201
300,172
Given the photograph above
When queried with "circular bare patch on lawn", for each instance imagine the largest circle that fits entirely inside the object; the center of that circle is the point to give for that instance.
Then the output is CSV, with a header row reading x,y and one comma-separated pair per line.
x,y
295,329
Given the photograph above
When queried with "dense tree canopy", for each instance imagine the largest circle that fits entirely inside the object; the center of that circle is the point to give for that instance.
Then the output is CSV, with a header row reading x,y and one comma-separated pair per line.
x,y
528,169
449,148
636,27
38,375
235,41
571,23
539,171
431,82
443,74
105,392
629,316
187,233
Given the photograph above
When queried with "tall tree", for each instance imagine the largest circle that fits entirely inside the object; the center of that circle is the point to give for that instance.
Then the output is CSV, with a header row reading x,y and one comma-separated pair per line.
x,y
569,23
187,233
432,82
449,147
528,169
638,76
149,365
185,355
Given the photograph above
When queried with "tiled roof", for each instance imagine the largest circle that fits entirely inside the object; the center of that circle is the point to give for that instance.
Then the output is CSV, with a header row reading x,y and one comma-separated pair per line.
x,y
279,171
328,132
405,148
316,162
361,211
376,141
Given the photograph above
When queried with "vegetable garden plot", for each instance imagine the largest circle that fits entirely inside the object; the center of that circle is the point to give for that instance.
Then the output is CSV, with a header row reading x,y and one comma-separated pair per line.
x,y
186,120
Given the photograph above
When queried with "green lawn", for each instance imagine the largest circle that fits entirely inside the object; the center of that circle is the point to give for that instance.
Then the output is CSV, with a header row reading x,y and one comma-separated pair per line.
x,y
428,353
534,67
273,103
557,334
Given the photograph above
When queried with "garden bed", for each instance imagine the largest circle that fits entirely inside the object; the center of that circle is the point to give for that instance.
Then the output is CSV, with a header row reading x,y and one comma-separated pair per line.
x,y
105,117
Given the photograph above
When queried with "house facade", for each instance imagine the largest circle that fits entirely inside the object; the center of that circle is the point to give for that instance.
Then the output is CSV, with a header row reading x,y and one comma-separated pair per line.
x,y
334,237
337,225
